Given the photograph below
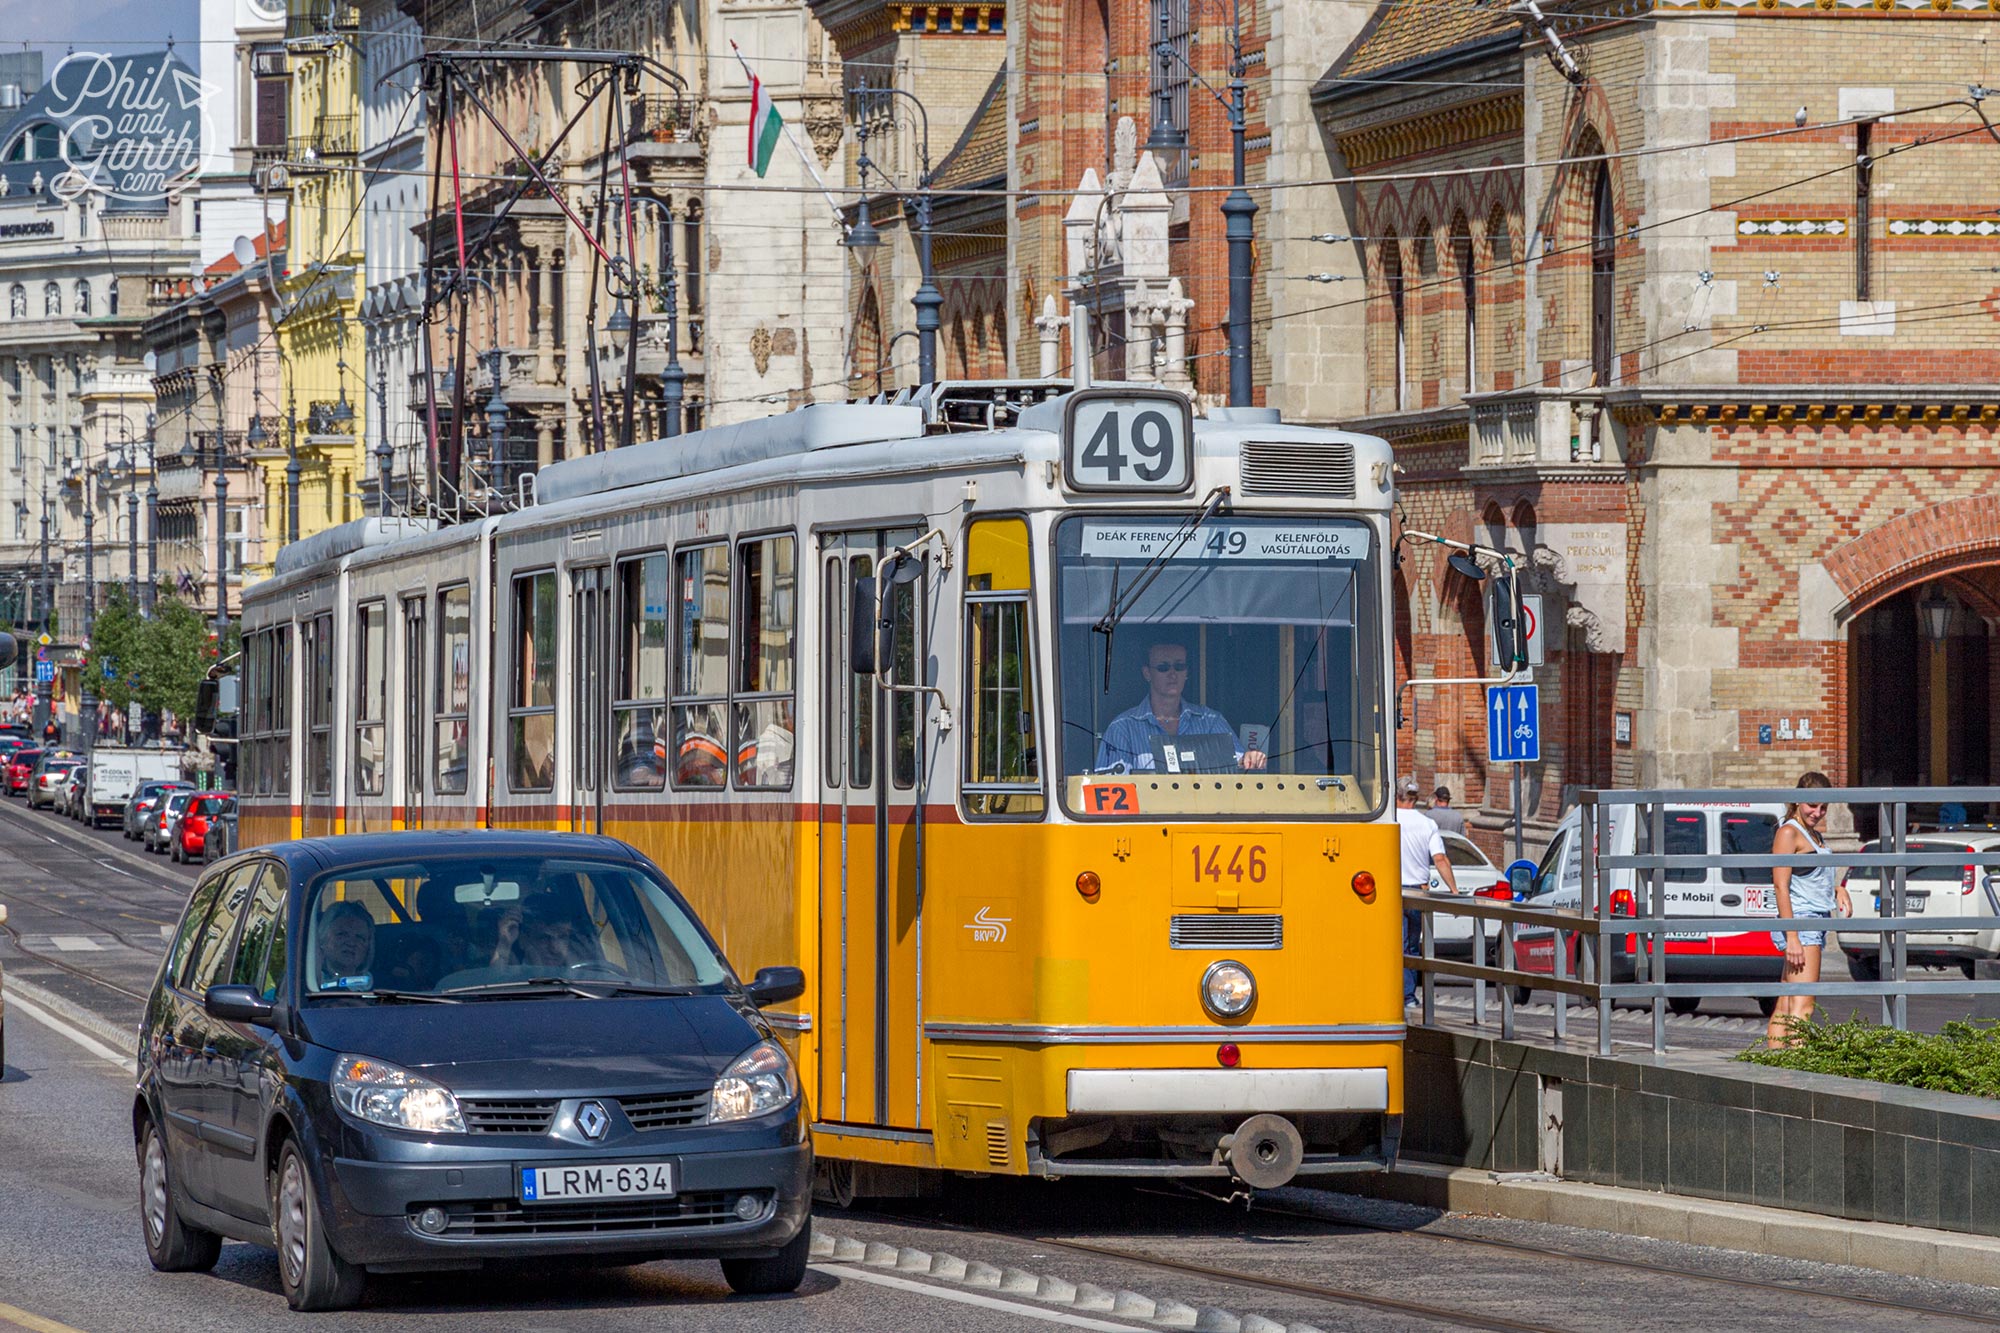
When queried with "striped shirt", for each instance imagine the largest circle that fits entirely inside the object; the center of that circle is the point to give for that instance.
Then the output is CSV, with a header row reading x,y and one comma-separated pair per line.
x,y
1129,738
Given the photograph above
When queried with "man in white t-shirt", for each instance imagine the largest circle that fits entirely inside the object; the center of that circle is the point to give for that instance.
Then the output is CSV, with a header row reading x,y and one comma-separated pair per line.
x,y
1422,849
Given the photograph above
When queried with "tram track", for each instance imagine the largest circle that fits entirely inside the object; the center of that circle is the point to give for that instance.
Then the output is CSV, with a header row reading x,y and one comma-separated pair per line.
x,y
64,965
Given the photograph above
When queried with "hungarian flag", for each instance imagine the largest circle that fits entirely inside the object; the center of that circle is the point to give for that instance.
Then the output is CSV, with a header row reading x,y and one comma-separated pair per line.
x,y
765,126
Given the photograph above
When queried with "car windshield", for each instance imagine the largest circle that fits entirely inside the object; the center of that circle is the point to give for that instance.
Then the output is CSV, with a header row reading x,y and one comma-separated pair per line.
x,y
478,927
1229,668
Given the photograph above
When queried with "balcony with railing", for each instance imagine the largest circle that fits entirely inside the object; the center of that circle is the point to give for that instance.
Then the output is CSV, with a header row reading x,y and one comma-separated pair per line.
x,y
333,138
660,120
319,24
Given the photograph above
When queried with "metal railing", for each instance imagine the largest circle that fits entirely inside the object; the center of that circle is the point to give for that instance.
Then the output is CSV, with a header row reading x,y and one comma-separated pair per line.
x,y
1595,925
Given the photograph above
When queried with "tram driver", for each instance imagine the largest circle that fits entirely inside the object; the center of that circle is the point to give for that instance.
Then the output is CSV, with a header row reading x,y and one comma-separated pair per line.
x,y
1165,712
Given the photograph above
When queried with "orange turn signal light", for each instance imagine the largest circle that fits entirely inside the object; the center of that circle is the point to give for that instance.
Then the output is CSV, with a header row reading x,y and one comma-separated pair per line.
x,y
1089,886
1364,886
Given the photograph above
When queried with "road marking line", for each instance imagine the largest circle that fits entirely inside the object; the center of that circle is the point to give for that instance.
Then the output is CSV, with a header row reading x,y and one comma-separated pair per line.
x,y
34,1322
76,944
77,1035
974,1298
115,870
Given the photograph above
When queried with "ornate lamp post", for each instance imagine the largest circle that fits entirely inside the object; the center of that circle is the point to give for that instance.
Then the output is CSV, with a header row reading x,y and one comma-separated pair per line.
x,y
42,686
673,379
871,101
384,456
152,515
88,703
292,465
221,539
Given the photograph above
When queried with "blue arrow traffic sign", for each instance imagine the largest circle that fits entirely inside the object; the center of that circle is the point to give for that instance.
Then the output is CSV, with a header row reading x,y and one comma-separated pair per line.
x,y
1513,724
45,670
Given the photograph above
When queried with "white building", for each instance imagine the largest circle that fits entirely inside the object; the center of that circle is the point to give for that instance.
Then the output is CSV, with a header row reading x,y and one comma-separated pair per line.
x,y
244,99
394,132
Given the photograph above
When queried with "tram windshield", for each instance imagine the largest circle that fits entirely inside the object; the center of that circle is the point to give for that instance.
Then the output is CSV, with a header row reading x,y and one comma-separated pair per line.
x,y
1228,668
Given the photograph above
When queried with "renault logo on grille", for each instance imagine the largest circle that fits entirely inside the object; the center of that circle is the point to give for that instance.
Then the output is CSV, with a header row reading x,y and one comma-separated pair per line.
x,y
593,1120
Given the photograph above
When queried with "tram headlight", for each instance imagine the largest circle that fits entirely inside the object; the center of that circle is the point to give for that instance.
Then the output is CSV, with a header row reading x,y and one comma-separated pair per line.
x,y
1227,989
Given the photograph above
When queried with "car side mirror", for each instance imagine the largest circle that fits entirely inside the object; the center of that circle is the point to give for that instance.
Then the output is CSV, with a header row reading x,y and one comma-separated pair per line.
x,y
243,1004
771,985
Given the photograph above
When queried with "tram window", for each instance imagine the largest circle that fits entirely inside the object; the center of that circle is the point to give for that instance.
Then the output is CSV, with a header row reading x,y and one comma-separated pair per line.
x,y
701,671
763,741
371,699
281,710
249,729
861,690
531,712
639,715
1003,773
902,704
454,691
319,706
833,664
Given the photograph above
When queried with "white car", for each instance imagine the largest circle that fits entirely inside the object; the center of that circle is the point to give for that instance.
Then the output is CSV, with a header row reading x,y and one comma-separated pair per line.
x,y
1927,891
1452,934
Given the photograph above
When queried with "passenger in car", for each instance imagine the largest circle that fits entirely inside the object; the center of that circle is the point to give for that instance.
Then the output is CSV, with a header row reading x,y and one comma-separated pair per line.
x,y
346,944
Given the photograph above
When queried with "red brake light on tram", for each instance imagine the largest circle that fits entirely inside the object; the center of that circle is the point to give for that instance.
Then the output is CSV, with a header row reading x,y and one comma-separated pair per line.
x,y
1364,886
1089,886
1228,1055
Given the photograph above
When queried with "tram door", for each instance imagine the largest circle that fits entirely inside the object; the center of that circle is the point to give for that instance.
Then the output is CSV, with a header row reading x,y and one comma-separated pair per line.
x,y
591,613
870,1000
415,728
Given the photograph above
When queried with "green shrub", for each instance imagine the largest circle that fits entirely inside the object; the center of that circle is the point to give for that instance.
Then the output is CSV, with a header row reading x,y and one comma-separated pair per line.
x,y
1965,1057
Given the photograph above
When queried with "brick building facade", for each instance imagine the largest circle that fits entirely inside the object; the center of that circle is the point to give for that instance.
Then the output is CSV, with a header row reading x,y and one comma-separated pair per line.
x,y
1713,346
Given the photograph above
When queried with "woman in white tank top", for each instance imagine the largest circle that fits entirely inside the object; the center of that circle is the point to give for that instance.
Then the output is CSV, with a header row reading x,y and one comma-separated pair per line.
x,y
1803,892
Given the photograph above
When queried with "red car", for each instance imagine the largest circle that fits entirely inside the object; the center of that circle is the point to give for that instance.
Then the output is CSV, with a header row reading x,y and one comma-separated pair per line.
x,y
191,841
20,767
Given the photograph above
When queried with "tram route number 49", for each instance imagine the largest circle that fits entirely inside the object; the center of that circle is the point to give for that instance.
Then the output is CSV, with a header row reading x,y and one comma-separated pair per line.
x,y
1127,440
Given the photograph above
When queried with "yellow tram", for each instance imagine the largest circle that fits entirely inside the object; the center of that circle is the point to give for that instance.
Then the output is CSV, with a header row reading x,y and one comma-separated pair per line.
x,y
1047,731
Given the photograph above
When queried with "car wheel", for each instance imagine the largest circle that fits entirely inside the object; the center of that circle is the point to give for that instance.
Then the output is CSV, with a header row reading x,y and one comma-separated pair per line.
x,y
313,1276
172,1245
1864,966
780,1273
1684,1004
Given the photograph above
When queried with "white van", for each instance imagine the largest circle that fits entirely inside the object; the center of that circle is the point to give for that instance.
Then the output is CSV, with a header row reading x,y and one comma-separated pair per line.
x,y
1694,828
116,772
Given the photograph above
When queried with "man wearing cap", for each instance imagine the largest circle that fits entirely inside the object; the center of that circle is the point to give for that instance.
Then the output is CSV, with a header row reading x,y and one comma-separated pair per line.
x,y
1423,848
1447,819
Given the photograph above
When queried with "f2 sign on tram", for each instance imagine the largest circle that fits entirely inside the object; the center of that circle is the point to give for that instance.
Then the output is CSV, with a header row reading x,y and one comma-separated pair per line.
x,y
1128,440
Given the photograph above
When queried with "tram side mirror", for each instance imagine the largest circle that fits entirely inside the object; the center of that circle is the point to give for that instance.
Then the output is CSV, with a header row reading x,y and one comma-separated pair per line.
x,y
863,648
207,700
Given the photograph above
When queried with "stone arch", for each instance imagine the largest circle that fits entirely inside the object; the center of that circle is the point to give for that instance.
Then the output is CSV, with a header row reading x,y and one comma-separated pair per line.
x,y
1910,549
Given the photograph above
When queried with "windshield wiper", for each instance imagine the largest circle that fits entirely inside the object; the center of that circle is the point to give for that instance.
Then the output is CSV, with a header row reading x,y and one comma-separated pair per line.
x,y
399,996
1107,624
641,988
526,986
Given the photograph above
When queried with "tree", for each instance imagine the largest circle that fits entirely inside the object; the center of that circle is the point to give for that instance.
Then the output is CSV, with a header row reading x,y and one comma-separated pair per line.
x,y
115,639
172,656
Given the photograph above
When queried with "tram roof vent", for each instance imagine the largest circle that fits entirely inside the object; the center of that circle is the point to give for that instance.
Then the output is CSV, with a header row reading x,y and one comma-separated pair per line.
x,y
1299,467
820,426
346,539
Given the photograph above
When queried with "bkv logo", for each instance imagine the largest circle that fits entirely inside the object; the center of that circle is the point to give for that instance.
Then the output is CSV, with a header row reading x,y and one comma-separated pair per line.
x,y
987,928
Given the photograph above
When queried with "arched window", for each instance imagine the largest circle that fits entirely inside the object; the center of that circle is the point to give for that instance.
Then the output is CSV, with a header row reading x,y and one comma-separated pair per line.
x,y
82,297
1468,290
111,299
17,302
961,356
1424,369
868,365
1603,279
1392,282
51,299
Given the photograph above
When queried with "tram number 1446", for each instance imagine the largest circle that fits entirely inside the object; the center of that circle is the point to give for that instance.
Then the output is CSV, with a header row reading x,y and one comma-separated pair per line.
x,y
1230,863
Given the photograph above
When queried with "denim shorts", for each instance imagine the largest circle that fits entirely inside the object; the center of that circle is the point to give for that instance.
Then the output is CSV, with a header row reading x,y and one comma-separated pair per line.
x,y
1817,937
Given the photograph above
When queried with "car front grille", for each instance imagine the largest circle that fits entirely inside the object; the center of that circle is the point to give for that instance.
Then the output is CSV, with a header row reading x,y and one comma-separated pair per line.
x,y
495,1115
1226,931
505,1217
666,1110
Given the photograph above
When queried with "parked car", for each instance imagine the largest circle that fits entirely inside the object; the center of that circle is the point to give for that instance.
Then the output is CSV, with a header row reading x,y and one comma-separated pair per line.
x,y
21,770
568,1106
10,744
50,773
166,820
1476,875
69,796
1701,891
1928,890
204,811
145,800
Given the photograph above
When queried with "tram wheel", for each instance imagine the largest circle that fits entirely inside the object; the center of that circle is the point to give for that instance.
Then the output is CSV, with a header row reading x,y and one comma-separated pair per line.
x,y
833,1182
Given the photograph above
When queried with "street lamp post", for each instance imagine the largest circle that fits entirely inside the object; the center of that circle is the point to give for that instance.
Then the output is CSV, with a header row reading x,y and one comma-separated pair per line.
x,y
132,522
1239,210
673,379
152,518
88,703
292,466
221,538
869,101
384,455
42,687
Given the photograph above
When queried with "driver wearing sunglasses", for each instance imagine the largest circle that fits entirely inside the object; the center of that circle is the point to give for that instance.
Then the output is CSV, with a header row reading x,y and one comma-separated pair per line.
x,y
1164,712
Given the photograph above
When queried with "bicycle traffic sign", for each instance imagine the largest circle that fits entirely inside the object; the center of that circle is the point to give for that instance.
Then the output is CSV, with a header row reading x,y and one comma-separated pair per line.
x,y
1513,724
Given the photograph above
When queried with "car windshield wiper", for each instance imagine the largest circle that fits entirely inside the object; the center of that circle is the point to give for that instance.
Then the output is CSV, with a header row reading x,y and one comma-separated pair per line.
x,y
527,986
641,988
406,996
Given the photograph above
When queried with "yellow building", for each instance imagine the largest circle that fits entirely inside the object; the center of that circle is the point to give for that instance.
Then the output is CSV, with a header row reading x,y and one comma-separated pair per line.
x,y
319,331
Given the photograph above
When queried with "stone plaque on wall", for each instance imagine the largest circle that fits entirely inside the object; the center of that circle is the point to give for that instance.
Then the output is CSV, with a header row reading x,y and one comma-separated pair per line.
x,y
1588,561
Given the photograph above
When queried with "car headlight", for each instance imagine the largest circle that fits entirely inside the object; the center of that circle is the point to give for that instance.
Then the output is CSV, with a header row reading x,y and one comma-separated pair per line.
x,y
1227,989
379,1092
761,1080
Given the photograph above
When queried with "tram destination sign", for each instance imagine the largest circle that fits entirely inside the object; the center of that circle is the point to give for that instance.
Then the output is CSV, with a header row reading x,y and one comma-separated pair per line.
x,y
1127,439
1305,539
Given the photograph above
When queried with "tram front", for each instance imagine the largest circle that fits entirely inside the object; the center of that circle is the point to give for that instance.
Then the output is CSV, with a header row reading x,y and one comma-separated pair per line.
x,y
1188,962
